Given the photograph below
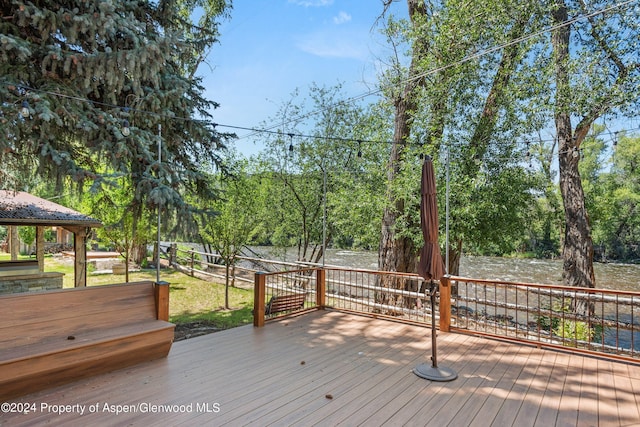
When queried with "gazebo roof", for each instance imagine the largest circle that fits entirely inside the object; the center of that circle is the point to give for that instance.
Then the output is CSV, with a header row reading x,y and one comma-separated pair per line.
x,y
20,208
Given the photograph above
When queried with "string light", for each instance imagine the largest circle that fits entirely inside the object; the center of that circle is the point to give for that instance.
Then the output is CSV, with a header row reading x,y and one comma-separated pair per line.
x,y
24,111
126,131
290,143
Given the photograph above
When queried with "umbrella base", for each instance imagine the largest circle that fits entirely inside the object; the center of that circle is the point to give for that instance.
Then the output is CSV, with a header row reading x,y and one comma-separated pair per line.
x,y
428,372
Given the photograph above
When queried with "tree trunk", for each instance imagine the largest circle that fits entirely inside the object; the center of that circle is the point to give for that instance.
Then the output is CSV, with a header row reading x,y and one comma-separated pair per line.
x,y
399,253
139,253
577,253
226,286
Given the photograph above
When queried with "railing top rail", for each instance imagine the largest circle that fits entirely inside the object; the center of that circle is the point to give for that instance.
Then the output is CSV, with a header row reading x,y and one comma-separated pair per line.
x,y
242,257
277,273
545,286
413,276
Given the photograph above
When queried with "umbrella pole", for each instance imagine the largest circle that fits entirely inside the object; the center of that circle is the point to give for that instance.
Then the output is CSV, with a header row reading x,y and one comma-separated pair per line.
x,y
434,350
433,372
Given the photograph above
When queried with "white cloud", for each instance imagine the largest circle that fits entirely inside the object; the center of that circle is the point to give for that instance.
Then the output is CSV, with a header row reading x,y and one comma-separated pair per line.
x,y
334,45
341,18
312,3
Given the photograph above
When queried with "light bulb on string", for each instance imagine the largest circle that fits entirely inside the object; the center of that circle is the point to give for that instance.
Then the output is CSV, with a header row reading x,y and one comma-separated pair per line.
x,y
126,131
290,143
24,111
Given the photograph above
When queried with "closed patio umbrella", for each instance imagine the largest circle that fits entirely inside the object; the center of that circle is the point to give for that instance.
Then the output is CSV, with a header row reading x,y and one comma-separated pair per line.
x,y
431,267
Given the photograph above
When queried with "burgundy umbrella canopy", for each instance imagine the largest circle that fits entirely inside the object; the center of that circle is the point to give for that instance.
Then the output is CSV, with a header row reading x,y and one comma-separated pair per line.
x,y
431,267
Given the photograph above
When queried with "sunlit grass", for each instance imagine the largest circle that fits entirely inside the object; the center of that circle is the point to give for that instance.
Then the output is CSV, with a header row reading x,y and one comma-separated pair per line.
x,y
190,299
7,257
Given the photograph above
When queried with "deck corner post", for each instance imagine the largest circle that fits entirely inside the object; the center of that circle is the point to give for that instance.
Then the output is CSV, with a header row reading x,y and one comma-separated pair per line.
x,y
260,280
321,277
445,304
161,290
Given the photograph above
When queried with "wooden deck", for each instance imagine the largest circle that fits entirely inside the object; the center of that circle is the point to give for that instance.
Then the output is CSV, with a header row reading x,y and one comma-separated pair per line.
x,y
330,368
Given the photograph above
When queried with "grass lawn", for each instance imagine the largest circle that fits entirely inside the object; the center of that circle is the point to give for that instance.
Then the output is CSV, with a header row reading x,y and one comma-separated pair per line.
x,y
191,300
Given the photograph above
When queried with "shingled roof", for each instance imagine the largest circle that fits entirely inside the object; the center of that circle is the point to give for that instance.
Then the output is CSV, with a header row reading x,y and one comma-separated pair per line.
x,y
20,208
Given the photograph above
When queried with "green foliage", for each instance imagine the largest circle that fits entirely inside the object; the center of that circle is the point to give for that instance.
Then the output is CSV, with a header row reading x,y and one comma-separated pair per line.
x,y
615,201
86,67
27,235
327,164
235,219
49,235
568,329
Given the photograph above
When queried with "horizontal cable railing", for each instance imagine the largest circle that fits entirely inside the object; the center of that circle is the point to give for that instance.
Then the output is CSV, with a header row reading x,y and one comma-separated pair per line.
x,y
585,319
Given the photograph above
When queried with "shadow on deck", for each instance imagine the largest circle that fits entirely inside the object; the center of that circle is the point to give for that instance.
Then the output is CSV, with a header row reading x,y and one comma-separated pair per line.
x,y
328,368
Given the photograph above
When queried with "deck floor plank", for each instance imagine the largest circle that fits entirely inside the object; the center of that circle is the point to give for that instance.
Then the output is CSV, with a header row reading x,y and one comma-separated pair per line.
x,y
607,404
332,368
622,384
496,396
569,402
467,412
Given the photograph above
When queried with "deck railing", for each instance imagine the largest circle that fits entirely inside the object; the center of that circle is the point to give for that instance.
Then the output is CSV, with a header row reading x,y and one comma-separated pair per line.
x,y
588,320
596,321
195,262
269,286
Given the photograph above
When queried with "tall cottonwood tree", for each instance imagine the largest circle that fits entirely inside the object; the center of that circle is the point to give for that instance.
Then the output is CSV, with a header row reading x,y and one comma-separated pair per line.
x,y
596,72
438,98
80,69
398,253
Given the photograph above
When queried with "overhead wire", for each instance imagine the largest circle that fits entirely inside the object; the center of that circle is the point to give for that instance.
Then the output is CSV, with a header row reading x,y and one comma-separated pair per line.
x,y
270,129
455,63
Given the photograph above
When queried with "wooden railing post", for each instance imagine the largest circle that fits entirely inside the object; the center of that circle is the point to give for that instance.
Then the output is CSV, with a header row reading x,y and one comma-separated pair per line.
x,y
321,277
193,254
445,304
162,300
173,254
260,280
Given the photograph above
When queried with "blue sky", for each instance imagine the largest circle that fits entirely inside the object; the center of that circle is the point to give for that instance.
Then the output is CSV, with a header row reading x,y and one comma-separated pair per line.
x,y
268,48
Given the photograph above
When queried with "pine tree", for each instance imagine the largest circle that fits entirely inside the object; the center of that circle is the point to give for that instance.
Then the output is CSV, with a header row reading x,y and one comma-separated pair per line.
x,y
74,74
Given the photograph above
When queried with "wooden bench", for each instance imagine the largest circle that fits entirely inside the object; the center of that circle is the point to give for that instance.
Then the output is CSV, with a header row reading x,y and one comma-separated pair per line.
x,y
53,337
285,302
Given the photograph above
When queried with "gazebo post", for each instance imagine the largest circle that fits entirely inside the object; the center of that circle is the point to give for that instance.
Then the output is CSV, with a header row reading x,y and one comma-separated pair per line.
x,y
80,249
40,247
14,242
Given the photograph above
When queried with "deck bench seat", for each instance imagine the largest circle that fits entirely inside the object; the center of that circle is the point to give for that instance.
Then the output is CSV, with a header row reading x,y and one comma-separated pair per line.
x,y
53,337
284,303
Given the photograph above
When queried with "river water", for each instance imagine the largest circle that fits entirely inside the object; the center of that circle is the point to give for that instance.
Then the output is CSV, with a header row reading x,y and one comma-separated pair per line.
x,y
608,276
